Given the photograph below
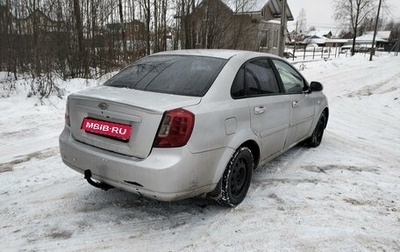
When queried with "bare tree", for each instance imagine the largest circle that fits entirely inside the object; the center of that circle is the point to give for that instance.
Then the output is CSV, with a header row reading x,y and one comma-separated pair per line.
x,y
79,38
186,22
218,25
163,25
79,34
121,17
237,24
352,13
146,8
302,21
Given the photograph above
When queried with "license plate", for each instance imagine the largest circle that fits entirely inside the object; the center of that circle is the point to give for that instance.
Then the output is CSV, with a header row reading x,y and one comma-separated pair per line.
x,y
105,128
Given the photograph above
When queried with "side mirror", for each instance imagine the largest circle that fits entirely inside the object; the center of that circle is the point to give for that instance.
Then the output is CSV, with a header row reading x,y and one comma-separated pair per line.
x,y
316,86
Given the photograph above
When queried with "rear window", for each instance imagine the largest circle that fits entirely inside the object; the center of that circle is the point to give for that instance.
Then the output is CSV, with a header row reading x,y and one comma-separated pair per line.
x,y
171,74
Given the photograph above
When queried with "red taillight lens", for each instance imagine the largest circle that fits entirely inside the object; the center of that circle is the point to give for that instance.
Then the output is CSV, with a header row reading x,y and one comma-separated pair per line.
x,y
67,121
176,128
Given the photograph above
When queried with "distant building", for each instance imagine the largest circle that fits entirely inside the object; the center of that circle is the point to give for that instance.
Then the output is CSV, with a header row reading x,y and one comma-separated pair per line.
x,y
381,40
39,22
134,29
36,21
317,37
246,25
135,37
364,42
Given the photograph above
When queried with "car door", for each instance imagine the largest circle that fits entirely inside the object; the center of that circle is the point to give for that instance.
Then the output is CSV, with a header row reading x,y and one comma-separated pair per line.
x,y
269,108
301,103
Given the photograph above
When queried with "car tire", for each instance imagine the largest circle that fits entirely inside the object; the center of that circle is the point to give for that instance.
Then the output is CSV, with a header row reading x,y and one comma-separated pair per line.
x,y
316,137
236,179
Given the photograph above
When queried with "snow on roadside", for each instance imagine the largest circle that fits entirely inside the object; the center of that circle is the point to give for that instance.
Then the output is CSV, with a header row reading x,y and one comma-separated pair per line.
x,y
29,118
341,196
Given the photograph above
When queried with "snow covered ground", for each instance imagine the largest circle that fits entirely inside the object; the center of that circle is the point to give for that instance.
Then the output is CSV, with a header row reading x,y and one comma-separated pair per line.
x,y
341,196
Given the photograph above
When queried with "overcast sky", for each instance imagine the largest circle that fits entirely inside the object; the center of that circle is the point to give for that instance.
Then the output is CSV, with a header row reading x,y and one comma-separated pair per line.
x,y
319,12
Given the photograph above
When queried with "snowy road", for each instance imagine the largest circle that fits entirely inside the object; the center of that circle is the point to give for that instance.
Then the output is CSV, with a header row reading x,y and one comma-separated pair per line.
x,y
341,196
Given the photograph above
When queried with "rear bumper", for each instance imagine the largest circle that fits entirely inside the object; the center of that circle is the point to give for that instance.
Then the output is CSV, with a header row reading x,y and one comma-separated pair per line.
x,y
166,174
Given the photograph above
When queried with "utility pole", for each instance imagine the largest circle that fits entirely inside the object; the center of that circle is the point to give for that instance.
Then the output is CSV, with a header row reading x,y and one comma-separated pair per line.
x,y
281,47
375,32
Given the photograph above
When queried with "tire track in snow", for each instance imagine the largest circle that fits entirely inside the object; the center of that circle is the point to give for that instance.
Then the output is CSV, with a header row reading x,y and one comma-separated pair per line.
x,y
43,154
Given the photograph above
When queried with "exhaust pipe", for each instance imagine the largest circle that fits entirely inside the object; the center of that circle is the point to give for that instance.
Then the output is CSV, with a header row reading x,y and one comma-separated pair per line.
x,y
101,185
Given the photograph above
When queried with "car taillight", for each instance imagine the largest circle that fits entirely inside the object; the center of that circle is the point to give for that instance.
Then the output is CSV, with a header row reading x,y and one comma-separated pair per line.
x,y
67,121
175,129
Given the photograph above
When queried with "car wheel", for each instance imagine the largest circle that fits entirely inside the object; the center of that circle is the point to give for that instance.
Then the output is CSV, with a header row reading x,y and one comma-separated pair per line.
x,y
316,137
237,177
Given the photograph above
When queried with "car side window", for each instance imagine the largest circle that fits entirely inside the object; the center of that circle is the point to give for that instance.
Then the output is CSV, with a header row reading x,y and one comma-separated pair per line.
x,y
237,89
255,78
291,79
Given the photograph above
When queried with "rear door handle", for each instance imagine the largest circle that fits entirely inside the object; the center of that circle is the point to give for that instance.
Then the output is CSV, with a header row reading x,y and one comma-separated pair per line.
x,y
259,110
295,104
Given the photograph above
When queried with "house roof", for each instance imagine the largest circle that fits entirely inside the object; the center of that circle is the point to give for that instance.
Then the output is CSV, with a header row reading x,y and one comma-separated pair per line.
x,y
275,6
319,33
39,14
381,34
336,40
315,40
368,37
245,6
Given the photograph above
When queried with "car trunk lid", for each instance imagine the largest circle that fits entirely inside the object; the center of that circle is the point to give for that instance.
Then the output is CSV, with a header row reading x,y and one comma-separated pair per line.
x,y
121,120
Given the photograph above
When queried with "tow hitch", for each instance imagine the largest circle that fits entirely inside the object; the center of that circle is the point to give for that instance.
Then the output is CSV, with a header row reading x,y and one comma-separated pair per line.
x,y
101,185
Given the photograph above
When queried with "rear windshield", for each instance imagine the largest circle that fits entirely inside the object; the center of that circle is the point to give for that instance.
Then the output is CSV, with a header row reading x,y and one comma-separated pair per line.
x,y
171,74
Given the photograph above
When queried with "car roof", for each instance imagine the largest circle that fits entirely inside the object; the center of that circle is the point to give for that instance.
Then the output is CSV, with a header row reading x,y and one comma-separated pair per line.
x,y
216,53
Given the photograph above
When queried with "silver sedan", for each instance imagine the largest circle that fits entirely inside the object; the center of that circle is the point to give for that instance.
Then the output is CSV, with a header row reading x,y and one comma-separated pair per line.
x,y
180,124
